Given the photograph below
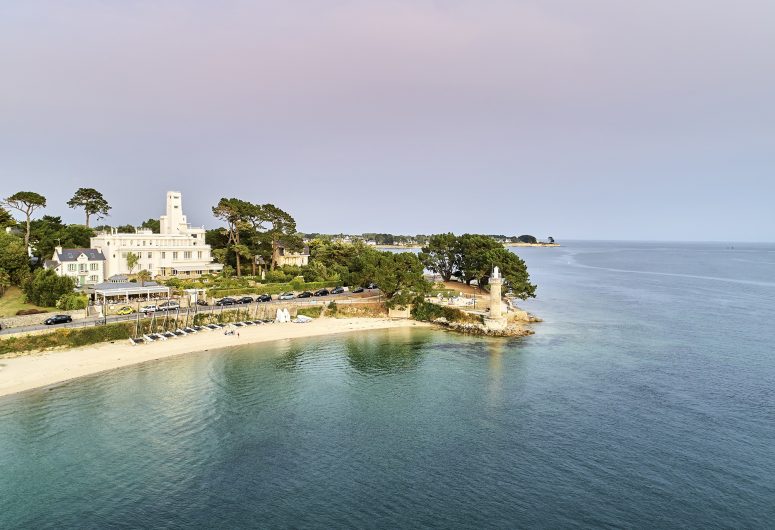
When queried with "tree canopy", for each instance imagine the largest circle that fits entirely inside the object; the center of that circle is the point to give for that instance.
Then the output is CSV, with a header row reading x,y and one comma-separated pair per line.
x,y
49,232
26,202
440,255
92,202
13,257
45,287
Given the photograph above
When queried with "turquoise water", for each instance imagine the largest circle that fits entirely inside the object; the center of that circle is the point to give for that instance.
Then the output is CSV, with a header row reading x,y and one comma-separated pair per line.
x,y
645,399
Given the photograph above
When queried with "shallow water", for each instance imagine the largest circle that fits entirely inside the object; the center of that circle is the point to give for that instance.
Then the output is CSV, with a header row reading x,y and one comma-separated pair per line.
x,y
645,399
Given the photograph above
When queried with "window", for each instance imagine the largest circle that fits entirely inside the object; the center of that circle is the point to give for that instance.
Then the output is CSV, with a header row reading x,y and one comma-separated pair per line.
x,y
150,255
93,278
187,255
83,267
163,255
174,255
94,266
72,267
199,254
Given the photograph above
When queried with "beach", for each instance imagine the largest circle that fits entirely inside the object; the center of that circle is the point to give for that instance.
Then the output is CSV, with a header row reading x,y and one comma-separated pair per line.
x,y
36,370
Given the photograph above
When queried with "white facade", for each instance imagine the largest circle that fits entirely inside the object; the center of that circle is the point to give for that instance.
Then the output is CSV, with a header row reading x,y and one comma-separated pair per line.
x,y
179,250
84,265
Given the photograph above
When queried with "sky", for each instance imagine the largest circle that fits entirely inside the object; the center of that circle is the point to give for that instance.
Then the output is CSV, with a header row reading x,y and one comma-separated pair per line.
x,y
601,119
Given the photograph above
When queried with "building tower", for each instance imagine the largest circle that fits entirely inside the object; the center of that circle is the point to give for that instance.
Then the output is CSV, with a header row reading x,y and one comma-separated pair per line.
x,y
496,319
174,222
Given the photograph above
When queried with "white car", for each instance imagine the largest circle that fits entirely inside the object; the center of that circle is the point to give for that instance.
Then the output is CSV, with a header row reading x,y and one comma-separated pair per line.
x,y
168,306
149,308
286,296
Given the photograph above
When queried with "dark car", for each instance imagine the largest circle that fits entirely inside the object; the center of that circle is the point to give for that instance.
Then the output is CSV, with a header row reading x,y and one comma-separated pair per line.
x,y
264,298
226,301
201,301
337,290
58,319
245,300
358,290
305,294
322,292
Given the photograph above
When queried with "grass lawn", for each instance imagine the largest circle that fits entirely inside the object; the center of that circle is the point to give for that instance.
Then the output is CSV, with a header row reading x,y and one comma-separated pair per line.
x,y
13,300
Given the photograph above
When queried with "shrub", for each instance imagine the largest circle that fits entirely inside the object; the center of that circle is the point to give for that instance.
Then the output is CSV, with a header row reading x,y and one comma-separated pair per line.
x,y
46,287
428,312
72,301
312,312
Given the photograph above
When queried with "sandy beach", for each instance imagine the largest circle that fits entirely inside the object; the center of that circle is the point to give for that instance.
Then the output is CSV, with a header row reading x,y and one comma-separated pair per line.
x,y
26,372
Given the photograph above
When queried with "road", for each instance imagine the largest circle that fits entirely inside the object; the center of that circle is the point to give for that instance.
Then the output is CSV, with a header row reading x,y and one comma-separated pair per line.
x,y
95,321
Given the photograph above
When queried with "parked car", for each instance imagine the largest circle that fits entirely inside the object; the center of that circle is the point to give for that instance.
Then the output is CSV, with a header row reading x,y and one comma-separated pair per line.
x,y
124,310
264,298
305,294
152,308
286,296
58,319
201,301
372,286
169,306
337,290
322,292
358,290
226,301
245,300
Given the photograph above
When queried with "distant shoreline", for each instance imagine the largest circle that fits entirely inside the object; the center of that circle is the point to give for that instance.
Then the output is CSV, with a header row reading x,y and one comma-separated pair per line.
x,y
393,247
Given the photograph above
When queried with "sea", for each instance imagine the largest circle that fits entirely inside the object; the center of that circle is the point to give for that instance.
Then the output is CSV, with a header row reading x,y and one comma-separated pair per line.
x,y
645,399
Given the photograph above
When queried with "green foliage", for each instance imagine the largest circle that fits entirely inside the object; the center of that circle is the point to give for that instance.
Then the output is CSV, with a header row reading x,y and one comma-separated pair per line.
x,y
126,229
153,224
13,257
351,263
333,308
6,219
92,202
527,239
26,202
312,312
5,281
70,338
428,312
441,255
399,276
143,276
49,232
72,301
132,261
45,287
277,276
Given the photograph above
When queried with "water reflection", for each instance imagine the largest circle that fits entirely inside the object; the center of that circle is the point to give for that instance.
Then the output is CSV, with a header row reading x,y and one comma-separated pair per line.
x,y
396,352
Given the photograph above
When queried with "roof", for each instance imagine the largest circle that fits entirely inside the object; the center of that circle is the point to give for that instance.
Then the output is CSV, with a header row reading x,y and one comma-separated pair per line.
x,y
50,264
127,288
118,278
72,254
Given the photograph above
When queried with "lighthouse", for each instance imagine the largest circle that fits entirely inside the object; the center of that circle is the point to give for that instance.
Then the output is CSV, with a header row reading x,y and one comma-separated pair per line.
x,y
496,320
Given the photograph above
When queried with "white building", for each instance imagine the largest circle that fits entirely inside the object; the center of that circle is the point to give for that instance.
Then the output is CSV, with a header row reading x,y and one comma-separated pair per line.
x,y
86,266
179,250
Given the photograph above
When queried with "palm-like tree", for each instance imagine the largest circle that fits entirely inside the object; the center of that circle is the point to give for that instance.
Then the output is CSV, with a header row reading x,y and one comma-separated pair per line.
x,y
143,276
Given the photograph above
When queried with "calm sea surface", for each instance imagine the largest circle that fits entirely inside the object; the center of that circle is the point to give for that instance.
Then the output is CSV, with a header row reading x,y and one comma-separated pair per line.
x,y
646,399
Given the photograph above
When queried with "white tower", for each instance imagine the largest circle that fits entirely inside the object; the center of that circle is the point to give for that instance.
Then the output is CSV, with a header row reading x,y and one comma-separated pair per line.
x,y
174,222
495,320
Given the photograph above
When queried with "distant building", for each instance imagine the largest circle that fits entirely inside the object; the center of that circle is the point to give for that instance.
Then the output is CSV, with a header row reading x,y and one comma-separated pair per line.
x,y
86,266
179,250
282,256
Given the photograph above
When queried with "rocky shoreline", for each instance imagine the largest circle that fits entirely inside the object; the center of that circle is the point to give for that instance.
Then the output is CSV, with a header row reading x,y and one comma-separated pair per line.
x,y
512,329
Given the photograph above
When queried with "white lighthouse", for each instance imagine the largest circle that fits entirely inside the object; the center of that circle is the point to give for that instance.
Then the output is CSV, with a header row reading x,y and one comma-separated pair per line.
x,y
496,320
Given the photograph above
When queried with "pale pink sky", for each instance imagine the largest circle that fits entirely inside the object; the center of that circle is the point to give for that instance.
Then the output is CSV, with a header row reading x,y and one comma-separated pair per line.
x,y
596,119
